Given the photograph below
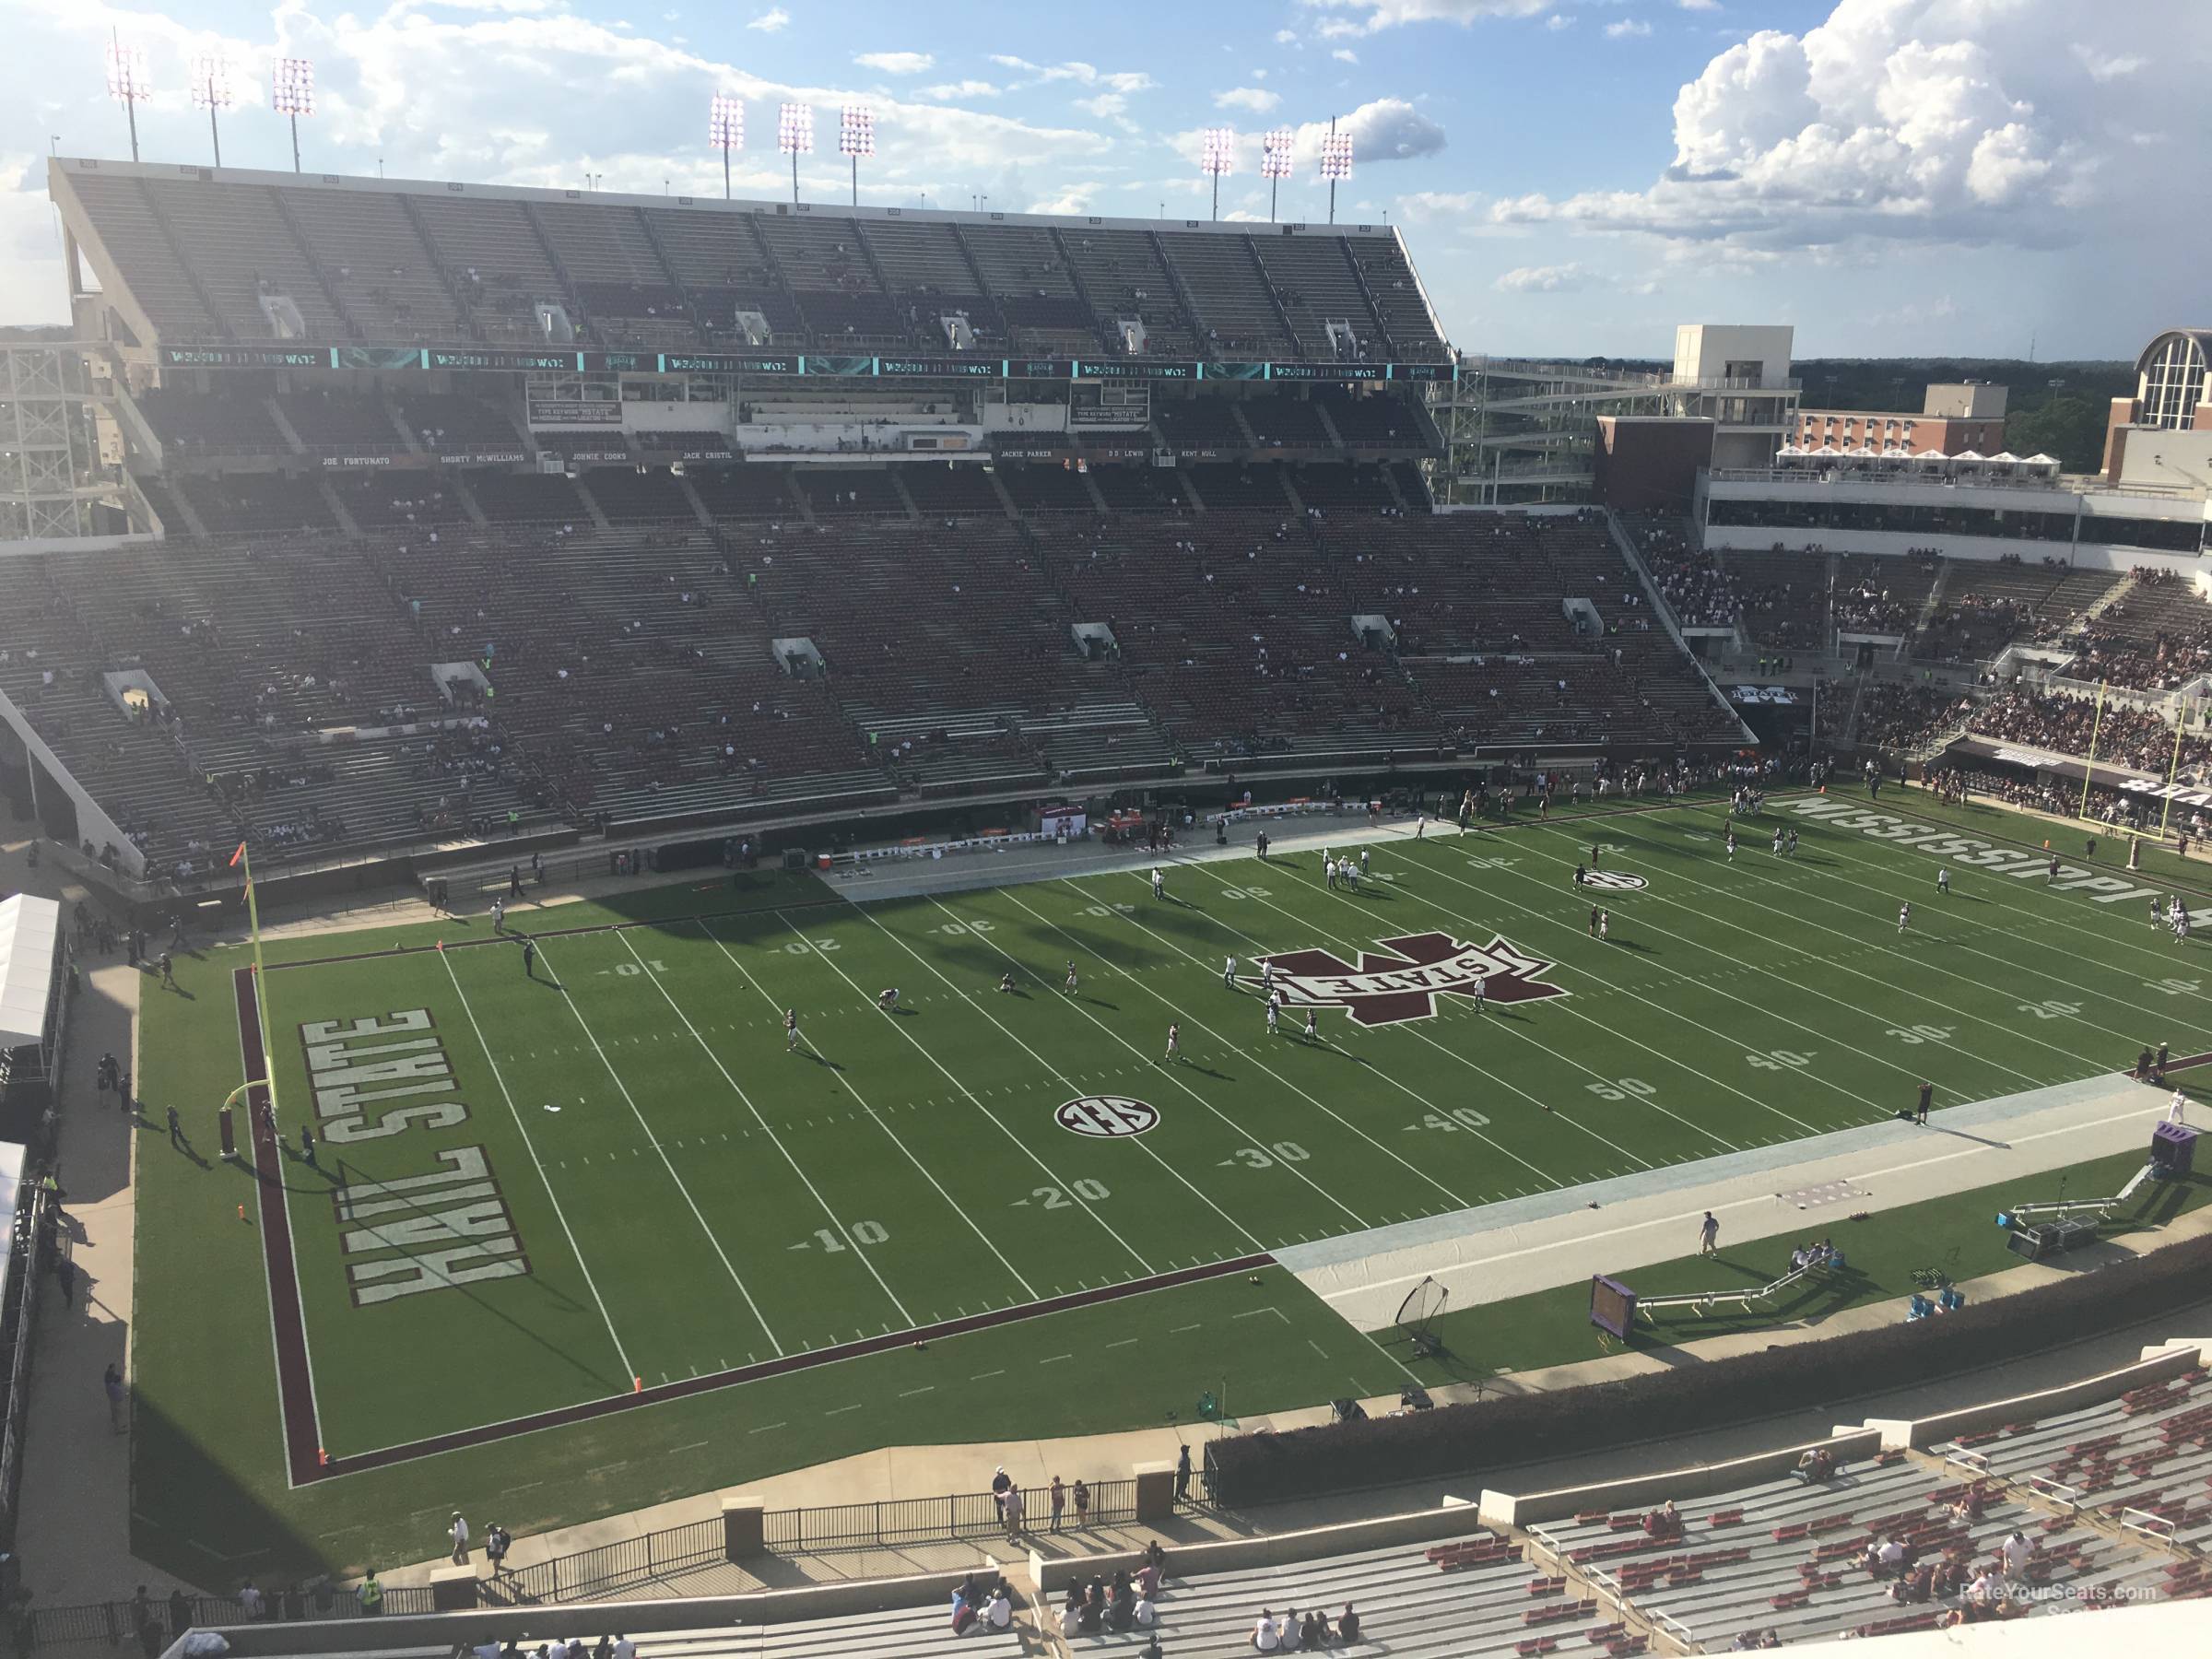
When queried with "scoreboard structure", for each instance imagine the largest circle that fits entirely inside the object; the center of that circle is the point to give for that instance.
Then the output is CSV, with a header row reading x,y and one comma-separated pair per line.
x,y
1612,1306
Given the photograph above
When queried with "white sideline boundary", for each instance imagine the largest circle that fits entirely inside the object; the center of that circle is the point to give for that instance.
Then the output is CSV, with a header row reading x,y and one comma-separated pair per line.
x,y
1507,1248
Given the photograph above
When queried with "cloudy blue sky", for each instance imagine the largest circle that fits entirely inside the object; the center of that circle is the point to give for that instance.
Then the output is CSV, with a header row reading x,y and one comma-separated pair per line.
x,y
1574,176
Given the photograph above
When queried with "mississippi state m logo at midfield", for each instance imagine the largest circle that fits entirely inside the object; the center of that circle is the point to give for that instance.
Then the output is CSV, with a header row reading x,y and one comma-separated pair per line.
x,y
1403,979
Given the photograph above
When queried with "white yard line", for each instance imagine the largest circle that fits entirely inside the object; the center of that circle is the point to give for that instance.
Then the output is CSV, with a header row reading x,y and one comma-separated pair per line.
x,y
1065,1081
1378,1071
1467,1060
1814,1075
2010,964
667,1163
1173,1074
1897,985
922,1049
737,1089
530,1146
845,1083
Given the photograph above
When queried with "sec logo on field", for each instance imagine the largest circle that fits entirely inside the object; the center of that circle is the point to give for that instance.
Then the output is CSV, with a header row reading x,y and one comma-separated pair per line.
x,y
1105,1115
1620,881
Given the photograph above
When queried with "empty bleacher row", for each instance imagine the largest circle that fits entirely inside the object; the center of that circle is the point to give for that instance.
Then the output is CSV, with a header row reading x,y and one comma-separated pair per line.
x,y
2145,1459
204,256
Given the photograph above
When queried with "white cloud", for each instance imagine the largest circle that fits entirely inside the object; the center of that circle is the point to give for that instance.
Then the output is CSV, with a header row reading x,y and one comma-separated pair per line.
x,y
1559,20
1288,37
1422,205
1699,6
1089,75
1345,54
1542,279
771,20
1388,129
896,63
1389,14
1105,105
2103,66
960,88
1628,28
1254,99
1918,120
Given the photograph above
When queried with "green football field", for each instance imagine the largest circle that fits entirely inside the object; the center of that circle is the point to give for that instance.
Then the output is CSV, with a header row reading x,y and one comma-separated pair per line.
x,y
581,1238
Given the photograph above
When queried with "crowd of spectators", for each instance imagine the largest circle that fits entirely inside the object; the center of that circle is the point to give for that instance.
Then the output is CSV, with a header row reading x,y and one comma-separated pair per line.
x,y
2069,724
1904,717
2155,637
1700,593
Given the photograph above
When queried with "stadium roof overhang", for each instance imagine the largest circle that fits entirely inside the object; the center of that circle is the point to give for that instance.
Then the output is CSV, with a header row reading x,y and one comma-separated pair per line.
x,y
30,927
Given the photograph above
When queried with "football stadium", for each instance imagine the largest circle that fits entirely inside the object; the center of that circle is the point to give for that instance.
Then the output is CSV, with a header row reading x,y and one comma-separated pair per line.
x,y
747,926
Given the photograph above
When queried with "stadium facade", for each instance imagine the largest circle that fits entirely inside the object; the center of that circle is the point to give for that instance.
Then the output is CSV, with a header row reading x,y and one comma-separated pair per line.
x,y
464,514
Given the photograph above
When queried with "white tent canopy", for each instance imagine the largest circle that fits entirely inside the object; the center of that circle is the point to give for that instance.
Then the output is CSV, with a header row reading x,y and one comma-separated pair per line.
x,y
29,929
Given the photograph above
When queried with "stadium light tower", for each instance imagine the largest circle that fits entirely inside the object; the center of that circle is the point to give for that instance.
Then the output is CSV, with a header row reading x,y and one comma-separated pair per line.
x,y
857,137
1335,162
292,93
212,90
127,83
794,137
1274,162
725,132
1216,157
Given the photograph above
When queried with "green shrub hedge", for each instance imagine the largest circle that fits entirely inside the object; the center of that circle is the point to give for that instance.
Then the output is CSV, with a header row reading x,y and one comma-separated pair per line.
x,y
1519,1430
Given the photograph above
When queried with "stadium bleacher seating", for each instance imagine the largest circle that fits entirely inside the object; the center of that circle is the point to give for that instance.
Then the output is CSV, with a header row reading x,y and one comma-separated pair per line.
x,y
220,422
2144,1457
2154,636
744,492
1226,488
393,500
1791,1557
341,422
451,423
1471,1597
639,495
1125,275
1784,597
1195,424
1046,487
239,503
853,492
528,498
950,490
202,255
1985,604
1138,489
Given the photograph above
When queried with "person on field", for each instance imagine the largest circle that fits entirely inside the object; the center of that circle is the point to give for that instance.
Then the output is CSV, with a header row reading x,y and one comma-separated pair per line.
x,y
1926,1091
458,1532
529,959
791,1030
1174,1043
1709,1235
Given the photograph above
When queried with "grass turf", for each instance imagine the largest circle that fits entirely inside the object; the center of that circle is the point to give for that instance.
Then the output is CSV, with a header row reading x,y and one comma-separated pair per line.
x,y
1956,1235
703,1199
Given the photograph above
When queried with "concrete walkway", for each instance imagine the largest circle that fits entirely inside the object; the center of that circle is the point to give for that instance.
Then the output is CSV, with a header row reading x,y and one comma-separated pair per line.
x,y
1800,1189
73,1533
